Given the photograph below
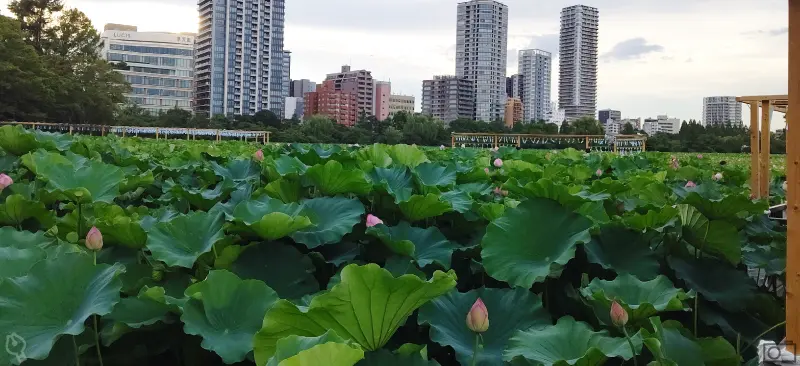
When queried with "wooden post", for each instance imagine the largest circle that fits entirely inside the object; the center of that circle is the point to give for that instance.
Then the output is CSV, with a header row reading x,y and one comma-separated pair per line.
x,y
793,179
217,135
765,135
157,131
495,141
755,180
70,129
587,142
452,141
264,138
267,137
519,141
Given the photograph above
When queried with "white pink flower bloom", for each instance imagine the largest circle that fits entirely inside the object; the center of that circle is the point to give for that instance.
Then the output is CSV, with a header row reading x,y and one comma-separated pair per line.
x,y
94,239
618,314
717,177
373,220
598,173
690,184
498,163
478,317
259,155
5,181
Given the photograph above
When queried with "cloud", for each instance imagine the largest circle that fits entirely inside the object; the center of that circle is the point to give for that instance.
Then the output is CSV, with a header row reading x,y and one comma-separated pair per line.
x,y
631,49
768,32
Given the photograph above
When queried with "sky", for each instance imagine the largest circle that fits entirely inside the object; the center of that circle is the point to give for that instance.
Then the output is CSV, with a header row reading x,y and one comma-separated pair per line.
x,y
655,56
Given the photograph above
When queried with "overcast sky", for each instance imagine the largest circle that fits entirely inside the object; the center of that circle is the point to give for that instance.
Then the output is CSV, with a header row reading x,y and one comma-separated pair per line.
x,y
656,56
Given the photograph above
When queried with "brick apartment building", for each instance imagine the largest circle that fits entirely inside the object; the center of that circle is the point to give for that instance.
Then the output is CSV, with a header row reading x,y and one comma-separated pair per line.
x,y
342,106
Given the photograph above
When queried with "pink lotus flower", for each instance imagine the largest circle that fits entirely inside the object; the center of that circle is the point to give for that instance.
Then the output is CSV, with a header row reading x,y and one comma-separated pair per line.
x,y
94,239
373,220
5,181
486,170
717,177
618,314
598,173
498,163
690,184
699,156
674,163
500,192
259,155
478,317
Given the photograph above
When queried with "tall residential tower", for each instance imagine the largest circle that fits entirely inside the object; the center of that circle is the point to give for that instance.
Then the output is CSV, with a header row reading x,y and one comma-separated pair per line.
x,y
722,111
481,44
239,58
535,67
577,89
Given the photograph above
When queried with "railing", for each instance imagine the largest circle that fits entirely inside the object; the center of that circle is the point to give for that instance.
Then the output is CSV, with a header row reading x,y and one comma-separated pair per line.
x,y
157,132
619,143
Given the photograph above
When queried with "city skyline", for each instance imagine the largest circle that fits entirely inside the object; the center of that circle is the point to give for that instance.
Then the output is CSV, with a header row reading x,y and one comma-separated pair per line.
x,y
655,58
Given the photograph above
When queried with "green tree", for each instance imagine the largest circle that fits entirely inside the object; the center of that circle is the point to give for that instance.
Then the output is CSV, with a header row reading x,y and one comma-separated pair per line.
x,y
35,16
628,129
175,117
23,76
586,126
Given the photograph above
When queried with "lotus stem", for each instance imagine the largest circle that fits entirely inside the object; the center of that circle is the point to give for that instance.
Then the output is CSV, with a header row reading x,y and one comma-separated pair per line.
x,y
476,349
96,329
75,347
750,344
80,221
630,343
696,297
214,249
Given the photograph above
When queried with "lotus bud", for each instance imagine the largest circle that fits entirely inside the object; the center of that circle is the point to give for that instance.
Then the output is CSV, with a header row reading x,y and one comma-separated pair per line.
x,y
463,146
598,173
486,170
618,314
785,186
5,181
717,176
259,155
441,147
690,184
699,156
94,239
478,317
498,163
373,220
500,192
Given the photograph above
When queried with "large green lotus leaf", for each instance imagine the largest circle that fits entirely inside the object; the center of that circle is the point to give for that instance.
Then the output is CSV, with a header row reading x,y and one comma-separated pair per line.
x,y
25,239
17,209
7,162
657,220
92,181
285,166
435,175
16,141
18,253
460,201
202,198
716,281
396,181
53,141
671,343
270,218
376,154
331,219
714,237
546,188
623,251
569,342
332,179
134,181
119,227
641,299
383,357
410,156
480,189
491,211
226,312
55,298
532,241
286,190
148,308
718,352
732,208
426,246
237,170
422,207
282,267
327,349
367,306
510,310
181,240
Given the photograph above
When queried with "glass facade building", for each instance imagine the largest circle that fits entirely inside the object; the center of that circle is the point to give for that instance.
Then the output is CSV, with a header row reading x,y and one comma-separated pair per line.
x,y
535,68
577,83
240,58
159,66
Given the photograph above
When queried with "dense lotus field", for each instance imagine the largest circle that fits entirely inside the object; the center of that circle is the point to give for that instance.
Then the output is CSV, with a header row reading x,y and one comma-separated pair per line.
x,y
140,252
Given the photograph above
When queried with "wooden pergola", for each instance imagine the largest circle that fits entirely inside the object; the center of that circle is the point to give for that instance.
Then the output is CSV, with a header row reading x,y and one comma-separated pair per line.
x,y
760,144
793,178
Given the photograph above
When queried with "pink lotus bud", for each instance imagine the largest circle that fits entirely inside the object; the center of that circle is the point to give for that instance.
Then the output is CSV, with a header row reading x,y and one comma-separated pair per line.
x,y
94,239
785,186
752,196
717,177
463,146
441,147
486,170
498,163
259,155
5,181
699,156
599,173
500,192
618,314
690,184
478,317
373,220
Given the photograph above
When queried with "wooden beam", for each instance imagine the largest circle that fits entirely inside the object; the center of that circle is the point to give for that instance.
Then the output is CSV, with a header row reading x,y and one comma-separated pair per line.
x,y
793,174
755,189
766,107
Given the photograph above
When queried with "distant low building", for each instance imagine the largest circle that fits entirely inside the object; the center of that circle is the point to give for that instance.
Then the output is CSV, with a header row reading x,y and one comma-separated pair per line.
x,y
662,124
635,122
401,103
604,115
294,108
514,112
556,115
383,94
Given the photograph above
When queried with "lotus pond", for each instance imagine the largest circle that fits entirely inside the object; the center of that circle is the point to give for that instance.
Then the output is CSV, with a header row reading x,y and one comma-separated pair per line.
x,y
213,254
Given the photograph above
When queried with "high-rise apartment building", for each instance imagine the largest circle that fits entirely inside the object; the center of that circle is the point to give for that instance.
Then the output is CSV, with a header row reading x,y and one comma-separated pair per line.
x,y
722,111
383,94
298,88
287,73
401,103
159,66
340,105
360,83
577,89
481,49
449,98
239,57
514,84
608,114
535,66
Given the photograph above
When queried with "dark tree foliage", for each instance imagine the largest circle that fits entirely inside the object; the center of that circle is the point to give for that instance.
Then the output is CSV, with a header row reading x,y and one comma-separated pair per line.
x,y
695,137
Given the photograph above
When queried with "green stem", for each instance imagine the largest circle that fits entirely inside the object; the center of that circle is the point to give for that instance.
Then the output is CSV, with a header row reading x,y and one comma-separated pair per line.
x,y
96,329
750,344
696,297
214,248
75,347
80,221
630,343
476,349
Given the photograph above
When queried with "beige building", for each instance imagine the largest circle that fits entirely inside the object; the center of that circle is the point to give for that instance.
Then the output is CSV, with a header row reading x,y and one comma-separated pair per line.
x,y
403,103
358,82
514,112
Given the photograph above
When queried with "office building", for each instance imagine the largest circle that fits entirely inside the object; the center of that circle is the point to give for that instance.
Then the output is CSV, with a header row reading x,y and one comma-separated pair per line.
x,y
636,123
514,112
298,88
608,114
535,68
401,103
514,86
339,105
449,98
294,108
159,66
722,111
481,49
613,128
383,93
360,83
287,74
577,89
239,57
662,124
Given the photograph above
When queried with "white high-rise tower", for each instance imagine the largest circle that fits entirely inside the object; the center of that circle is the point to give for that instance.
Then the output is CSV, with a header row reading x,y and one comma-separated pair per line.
x,y
577,84
535,68
481,50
